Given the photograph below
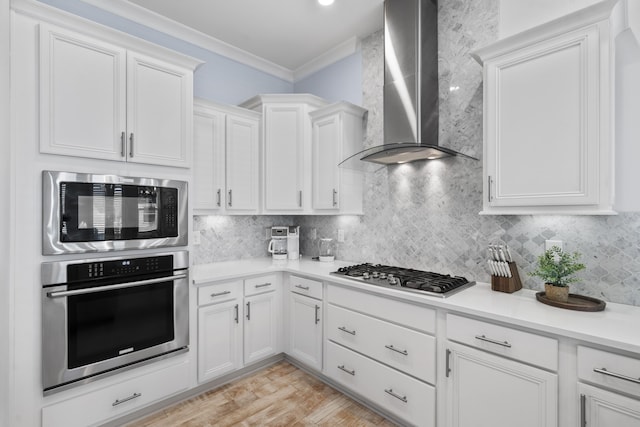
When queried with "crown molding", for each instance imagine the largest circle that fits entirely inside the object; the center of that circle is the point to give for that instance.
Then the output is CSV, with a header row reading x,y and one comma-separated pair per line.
x,y
331,56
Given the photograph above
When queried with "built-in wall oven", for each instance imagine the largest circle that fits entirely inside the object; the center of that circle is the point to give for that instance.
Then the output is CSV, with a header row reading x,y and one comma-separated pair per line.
x,y
104,315
95,213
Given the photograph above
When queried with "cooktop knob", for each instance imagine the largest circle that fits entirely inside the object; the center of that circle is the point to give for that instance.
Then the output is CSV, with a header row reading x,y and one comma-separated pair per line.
x,y
393,280
365,275
383,276
375,274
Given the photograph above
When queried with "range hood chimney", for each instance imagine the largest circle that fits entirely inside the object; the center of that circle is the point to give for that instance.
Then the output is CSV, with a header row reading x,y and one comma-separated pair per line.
x,y
411,106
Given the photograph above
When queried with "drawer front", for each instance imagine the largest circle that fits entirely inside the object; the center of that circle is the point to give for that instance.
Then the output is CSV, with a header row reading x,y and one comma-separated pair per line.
x,y
260,284
404,349
613,370
523,346
410,315
304,286
211,294
114,401
399,394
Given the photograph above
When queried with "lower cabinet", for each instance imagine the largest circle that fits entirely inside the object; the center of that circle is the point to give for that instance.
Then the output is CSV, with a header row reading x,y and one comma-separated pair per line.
x,y
305,330
261,326
601,408
219,339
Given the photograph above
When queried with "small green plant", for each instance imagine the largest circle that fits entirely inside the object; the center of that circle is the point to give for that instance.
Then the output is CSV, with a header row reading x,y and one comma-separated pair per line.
x,y
557,267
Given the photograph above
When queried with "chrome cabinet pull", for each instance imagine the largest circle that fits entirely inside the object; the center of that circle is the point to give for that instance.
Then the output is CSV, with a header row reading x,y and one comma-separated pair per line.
x,y
263,285
122,143
300,198
230,199
447,369
583,410
335,199
237,314
126,399
342,368
249,310
615,375
317,318
502,343
392,348
397,396
219,197
489,181
60,294
131,145
343,329
220,294
306,288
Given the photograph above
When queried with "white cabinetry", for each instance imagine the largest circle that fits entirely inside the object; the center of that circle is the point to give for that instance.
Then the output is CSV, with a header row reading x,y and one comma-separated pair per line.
x,y
107,102
487,390
599,407
305,321
226,153
286,150
337,134
549,101
262,318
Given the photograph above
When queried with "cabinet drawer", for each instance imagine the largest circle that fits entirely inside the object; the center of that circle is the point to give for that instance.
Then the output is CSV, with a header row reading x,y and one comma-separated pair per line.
x,y
260,284
410,315
523,346
304,286
114,401
405,397
211,294
614,370
401,348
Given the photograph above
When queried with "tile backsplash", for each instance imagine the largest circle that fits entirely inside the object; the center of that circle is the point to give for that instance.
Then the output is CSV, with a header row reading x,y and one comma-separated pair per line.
x,y
425,215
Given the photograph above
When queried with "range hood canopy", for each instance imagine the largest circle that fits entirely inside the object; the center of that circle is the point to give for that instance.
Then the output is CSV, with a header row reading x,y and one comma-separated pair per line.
x,y
411,105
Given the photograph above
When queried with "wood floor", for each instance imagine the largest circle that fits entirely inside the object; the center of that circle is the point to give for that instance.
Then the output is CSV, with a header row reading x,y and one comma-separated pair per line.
x,y
279,395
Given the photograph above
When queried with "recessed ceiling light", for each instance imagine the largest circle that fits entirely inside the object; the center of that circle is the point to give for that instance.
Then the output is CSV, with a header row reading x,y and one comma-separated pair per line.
x,y
325,2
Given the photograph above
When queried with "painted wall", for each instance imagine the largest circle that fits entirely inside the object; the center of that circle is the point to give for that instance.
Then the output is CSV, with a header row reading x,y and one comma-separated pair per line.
x,y
340,81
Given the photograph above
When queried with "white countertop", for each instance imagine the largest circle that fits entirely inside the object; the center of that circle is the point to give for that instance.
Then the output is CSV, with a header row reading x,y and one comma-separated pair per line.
x,y
617,326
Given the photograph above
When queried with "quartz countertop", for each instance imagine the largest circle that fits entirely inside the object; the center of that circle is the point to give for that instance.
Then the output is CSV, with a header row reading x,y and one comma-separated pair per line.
x,y
616,326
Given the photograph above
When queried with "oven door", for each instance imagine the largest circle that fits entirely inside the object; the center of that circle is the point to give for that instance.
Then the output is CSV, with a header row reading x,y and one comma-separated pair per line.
x,y
89,331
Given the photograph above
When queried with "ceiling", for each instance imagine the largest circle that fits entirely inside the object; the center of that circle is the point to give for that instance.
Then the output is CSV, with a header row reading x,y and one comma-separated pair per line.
x,y
289,33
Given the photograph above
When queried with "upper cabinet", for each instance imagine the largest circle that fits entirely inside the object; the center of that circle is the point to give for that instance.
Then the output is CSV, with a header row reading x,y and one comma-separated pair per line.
x,y
103,101
549,122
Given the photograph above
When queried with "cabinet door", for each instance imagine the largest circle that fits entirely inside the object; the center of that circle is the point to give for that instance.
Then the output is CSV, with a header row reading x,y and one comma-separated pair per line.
x,y
305,330
82,95
242,167
600,408
260,327
208,160
326,156
219,339
159,112
284,156
484,390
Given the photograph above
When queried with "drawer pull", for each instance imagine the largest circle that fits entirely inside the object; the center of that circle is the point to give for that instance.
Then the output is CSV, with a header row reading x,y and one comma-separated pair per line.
x,y
397,396
126,399
306,288
343,329
619,376
263,285
502,343
392,348
342,368
219,294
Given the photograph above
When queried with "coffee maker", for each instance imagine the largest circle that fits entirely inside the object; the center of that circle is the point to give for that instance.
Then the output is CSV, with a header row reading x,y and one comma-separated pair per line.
x,y
293,242
278,243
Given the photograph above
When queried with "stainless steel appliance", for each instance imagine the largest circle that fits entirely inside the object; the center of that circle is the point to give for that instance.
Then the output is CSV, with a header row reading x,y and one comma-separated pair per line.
x,y
95,213
293,242
278,243
104,315
406,279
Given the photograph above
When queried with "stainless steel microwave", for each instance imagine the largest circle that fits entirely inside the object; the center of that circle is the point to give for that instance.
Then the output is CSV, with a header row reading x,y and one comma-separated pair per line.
x,y
97,213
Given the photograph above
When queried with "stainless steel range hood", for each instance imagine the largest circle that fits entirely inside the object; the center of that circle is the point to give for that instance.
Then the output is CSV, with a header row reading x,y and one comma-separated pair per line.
x,y
410,87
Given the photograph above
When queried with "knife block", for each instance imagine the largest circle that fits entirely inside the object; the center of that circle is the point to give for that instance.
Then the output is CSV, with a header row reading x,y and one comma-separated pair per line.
x,y
507,284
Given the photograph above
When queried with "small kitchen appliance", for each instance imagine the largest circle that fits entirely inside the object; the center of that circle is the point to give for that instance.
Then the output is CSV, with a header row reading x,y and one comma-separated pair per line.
x,y
405,279
326,251
278,243
293,242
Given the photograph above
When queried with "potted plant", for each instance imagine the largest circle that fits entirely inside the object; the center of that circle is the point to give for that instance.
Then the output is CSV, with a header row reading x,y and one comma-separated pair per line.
x,y
556,268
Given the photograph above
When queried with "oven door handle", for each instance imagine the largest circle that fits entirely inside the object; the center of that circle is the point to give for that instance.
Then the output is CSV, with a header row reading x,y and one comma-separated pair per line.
x,y
61,294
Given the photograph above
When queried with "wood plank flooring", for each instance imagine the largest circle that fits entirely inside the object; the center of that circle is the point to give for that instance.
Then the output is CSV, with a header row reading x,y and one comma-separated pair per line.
x,y
279,395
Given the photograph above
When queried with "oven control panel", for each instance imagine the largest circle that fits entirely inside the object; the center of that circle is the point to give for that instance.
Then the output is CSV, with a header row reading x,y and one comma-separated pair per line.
x,y
118,268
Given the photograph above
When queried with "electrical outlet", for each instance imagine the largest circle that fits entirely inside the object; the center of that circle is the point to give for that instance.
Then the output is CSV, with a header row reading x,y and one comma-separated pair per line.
x,y
196,237
313,234
548,244
341,236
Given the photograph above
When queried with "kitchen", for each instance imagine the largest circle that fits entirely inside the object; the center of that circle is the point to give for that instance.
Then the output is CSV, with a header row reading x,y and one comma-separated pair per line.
x,y
422,215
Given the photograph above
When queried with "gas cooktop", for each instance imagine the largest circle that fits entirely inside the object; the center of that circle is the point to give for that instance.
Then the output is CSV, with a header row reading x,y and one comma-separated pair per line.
x,y
406,279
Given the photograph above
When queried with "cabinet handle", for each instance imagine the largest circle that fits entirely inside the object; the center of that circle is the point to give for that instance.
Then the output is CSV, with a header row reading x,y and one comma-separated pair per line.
x,y
131,145
249,310
122,143
126,399
263,285
583,410
219,197
317,318
300,198
306,288
489,181
447,369
237,314
343,329
342,368
335,199
619,376
502,343
220,294
397,396
230,199
392,348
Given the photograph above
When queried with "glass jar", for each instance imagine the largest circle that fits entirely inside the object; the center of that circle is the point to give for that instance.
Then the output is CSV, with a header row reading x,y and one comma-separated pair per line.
x,y
326,250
